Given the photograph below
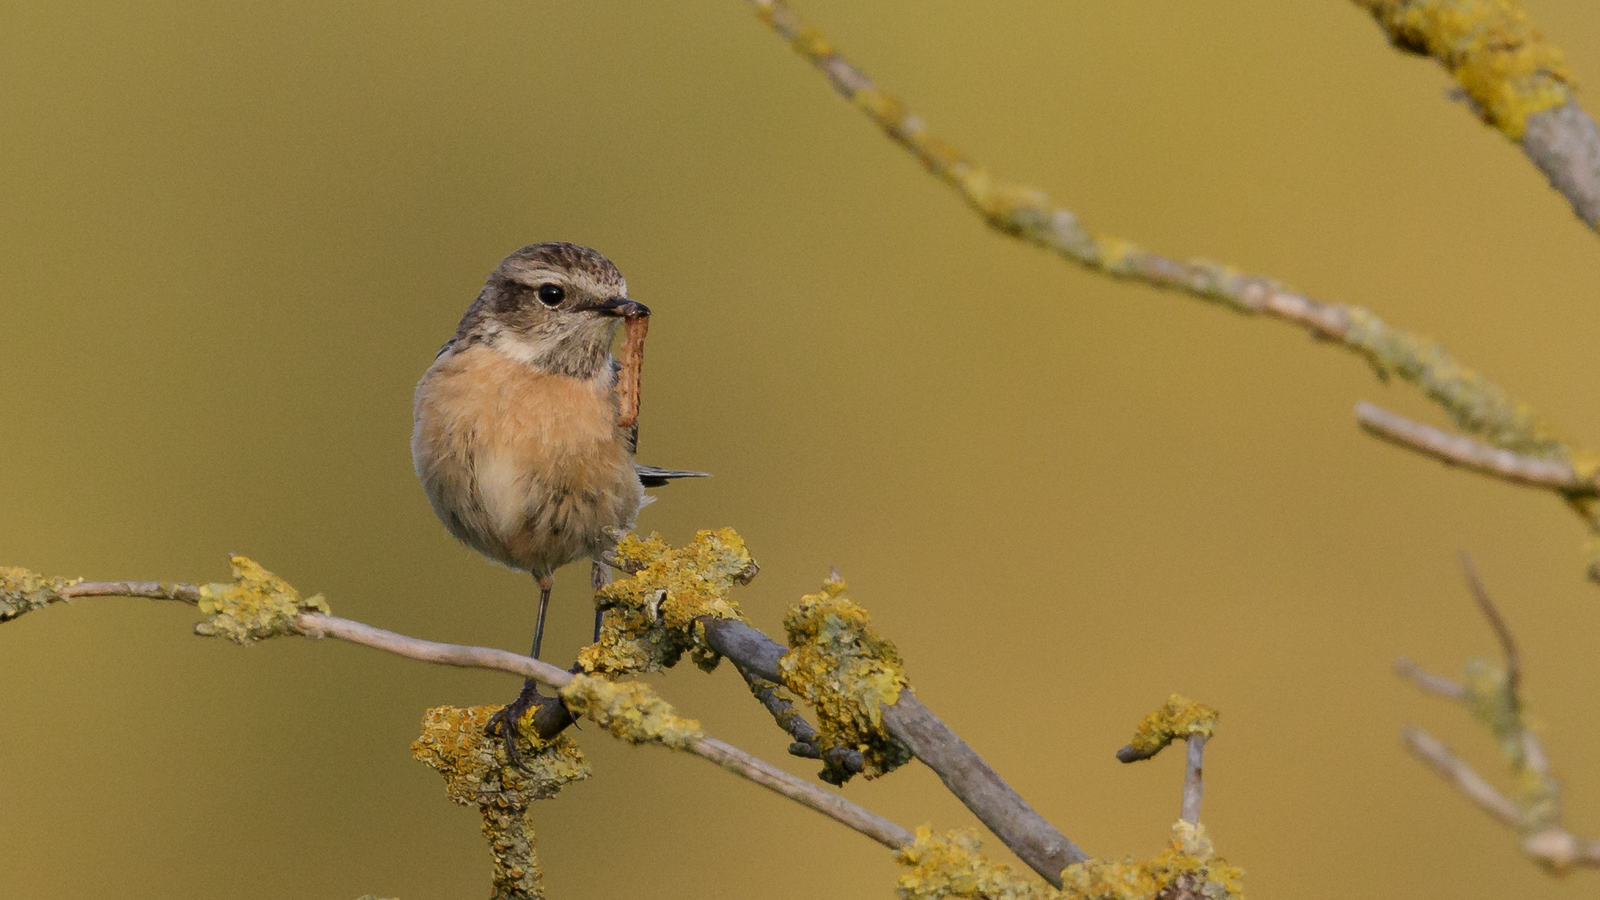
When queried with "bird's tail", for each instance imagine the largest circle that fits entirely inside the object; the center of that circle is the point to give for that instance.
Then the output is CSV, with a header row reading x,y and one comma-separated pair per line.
x,y
652,476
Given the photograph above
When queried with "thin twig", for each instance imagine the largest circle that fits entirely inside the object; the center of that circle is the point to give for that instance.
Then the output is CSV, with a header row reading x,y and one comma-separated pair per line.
x,y
1502,631
1460,450
1193,782
1435,684
1453,769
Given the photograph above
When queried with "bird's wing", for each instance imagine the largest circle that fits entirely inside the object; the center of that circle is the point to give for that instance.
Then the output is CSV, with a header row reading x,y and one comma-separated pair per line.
x,y
651,476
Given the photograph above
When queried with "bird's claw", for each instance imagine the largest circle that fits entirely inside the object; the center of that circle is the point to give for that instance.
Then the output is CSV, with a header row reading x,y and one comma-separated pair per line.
x,y
506,724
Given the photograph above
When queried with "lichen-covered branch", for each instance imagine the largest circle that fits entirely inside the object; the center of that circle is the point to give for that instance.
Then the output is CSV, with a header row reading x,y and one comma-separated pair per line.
x,y
1177,718
1517,82
1029,835
838,763
949,866
847,673
478,772
251,577
1492,695
1478,406
907,721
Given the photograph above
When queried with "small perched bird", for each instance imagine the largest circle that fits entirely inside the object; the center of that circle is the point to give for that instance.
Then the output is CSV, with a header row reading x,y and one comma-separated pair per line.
x,y
517,439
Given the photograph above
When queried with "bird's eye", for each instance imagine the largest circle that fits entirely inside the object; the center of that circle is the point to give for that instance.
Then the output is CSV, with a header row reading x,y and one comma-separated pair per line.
x,y
551,294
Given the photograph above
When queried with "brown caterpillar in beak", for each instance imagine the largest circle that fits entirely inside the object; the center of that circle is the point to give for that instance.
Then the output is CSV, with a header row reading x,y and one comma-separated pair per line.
x,y
632,365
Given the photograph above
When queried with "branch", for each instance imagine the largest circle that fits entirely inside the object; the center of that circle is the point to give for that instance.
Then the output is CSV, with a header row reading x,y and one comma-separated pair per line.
x,y
1451,768
1494,699
1502,631
839,763
1516,82
1193,785
316,625
1038,843
1458,450
1046,850
1477,405
1433,684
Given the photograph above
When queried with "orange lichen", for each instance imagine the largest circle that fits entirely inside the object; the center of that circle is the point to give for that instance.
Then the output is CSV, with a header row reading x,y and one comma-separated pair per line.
x,y
840,666
478,773
650,616
256,606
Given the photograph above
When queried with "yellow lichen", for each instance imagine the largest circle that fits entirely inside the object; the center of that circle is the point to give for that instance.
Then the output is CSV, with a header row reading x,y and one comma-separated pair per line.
x,y
1186,868
650,617
257,605
1491,701
1477,406
950,867
24,591
840,666
631,711
1176,719
1491,48
478,773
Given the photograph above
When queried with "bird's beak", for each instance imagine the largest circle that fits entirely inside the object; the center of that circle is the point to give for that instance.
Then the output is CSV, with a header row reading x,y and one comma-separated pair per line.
x,y
621,307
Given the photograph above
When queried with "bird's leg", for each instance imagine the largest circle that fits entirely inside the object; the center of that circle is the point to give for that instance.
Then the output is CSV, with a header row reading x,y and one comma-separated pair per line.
x,y
503,724
546,582
599,577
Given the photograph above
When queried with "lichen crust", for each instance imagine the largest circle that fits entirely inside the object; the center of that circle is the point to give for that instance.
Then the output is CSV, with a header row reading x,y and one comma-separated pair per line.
x,y
948,867
650,617
631,711
847,673
1491,48
23,590
1175,719
478,772
255,606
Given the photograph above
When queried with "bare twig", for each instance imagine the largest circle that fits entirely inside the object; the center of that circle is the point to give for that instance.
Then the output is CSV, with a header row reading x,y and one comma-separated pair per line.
x,y
1435,684
1565,144
316,625
1193,782
1453,769
1508,644
1460,450
1038,843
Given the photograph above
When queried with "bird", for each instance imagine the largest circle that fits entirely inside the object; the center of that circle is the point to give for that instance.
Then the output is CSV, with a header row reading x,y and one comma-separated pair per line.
x,y
517,439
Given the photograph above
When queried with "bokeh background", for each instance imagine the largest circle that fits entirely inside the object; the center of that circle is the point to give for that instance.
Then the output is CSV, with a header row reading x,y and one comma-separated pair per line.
x,y
235,234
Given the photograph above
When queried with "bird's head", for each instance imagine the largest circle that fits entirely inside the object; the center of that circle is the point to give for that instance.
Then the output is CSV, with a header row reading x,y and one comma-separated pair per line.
x,y
554,306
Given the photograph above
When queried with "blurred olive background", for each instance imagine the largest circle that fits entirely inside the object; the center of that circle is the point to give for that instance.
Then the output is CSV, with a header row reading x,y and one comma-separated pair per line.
x,y
236,234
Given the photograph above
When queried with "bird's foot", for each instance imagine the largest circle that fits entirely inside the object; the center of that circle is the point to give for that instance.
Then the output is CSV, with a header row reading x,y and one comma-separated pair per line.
x,y
506,724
